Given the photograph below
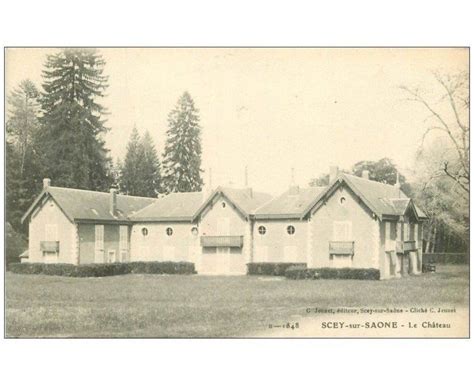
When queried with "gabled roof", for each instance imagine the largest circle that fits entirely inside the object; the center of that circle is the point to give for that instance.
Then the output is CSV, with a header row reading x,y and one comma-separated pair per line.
x,y
290,204
244,200
178,206
91,205
384,200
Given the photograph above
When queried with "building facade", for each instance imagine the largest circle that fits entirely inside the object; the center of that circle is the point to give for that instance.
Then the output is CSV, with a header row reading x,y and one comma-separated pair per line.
x,y
353,222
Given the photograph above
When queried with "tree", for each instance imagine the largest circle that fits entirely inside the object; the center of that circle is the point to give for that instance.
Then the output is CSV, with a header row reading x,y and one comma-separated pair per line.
x,y
442,166
140,172
182,155
22,164
321,181
131,178
23,123
383,171
72,148
450,117
151,168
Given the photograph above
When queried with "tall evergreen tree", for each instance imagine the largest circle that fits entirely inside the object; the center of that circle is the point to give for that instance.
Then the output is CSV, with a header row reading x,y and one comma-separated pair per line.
x,y
71,140
151,168
131,178
182,155
22,167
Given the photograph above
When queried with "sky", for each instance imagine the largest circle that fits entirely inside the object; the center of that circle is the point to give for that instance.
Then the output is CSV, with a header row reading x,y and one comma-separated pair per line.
x,y
269,109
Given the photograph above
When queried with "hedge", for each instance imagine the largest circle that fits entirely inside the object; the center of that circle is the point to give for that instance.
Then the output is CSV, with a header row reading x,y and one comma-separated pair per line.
x,y
298,272
270,269
106,269
333,273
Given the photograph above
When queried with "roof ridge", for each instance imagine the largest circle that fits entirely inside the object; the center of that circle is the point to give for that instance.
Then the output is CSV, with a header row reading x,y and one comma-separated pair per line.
x,y
367,180
99,192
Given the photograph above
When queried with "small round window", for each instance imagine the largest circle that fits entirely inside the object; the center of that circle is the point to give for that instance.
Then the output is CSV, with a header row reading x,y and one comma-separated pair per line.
x,y
290,230
342,200
194,231
145,232
169,231
223,205
262,230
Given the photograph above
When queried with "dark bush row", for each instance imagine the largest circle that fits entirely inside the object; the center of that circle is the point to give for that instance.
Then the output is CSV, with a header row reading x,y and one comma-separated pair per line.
x,y
270,269
446,258
100,270
332,273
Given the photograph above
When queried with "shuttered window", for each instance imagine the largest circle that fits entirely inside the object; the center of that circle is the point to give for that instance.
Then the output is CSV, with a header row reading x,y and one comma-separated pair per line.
x,y
99,243
123,237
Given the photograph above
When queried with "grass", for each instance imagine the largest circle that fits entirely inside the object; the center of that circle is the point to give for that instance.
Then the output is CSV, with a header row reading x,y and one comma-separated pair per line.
x,y
202,306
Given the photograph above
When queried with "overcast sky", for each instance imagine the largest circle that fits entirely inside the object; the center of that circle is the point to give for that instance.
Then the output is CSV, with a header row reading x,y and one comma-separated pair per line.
x,y
270,109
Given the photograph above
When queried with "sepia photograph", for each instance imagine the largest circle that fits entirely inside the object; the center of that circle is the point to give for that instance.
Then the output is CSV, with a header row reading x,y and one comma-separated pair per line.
x,y
237,192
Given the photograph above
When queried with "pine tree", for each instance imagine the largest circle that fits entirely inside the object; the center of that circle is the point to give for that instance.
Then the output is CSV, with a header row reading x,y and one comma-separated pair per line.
x,y
71,141
23,173
131,179
151,168
182,155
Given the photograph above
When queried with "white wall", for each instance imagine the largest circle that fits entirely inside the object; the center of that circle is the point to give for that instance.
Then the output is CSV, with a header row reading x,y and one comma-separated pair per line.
x,y
182,245
51,214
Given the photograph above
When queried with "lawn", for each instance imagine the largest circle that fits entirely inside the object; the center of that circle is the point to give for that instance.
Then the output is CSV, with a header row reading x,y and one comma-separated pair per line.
x,y
202,306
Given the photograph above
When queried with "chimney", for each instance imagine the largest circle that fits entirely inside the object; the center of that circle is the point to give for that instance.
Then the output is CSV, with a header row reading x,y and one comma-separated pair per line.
x,y
46,183
113,201
365,174
397,184
333,173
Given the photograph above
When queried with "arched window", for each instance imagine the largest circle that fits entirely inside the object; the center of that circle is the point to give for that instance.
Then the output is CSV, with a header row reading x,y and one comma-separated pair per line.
x,y
169,231
262,230
145,232
194,231
223,205
342,200
290,230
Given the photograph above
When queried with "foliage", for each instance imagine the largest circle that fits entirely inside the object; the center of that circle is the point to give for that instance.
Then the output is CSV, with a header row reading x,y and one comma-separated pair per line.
x,y
105,269
72,126
321,181
446,258
15,244
442,176
182,154
22,163
449,117
297,272
140,172
270,269
333,273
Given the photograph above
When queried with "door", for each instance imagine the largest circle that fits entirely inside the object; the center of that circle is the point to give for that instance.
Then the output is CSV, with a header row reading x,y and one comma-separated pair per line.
x,y
222,260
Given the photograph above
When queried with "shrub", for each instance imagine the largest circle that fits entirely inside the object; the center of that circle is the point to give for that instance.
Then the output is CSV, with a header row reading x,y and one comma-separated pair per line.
x,y
105,269
270,269
164,267
298,272
348,273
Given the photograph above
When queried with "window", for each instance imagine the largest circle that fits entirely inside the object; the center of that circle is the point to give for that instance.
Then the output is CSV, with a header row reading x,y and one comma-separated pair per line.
x,y
169,231
290,230
145,232
223,205
99,243
262,230
342,200
194,231
111,256
123,233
